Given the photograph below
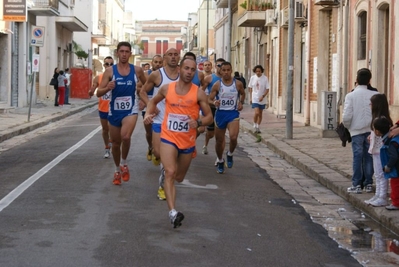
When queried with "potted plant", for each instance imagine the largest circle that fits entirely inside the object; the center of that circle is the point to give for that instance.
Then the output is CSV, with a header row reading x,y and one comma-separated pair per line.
x,y
268,5
256,5
244,4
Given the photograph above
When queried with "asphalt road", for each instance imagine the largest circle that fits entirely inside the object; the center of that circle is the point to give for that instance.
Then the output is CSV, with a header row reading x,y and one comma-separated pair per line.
x,y
65,211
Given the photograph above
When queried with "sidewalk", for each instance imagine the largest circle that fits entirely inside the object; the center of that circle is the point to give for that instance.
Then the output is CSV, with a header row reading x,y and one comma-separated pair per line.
x,y
15,121
323,159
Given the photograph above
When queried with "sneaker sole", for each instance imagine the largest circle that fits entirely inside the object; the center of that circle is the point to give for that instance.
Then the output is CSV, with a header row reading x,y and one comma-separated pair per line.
x,y
178,220
160,198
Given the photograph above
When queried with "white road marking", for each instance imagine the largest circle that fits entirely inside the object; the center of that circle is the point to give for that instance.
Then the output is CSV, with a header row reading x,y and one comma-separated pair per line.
x,y
186,183
7,200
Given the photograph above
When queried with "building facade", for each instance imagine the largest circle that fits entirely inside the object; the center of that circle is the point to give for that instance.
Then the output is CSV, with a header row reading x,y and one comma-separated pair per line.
x,y
331,40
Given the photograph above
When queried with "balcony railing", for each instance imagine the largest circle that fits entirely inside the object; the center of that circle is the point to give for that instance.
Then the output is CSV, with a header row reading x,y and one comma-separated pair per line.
x,y
45,8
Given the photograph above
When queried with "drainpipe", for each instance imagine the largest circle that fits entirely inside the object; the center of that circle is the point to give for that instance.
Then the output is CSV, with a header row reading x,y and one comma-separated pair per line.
x,y
228,56
346,51
339,60
307,113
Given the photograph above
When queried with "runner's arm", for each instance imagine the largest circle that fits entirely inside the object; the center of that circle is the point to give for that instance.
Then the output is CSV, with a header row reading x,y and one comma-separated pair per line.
x,y
148,85
152,104
241,92
206,82
213,93
94,86
107,84
207,119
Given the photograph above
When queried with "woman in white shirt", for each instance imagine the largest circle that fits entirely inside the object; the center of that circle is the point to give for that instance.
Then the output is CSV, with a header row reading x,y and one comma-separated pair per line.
x,y
258,90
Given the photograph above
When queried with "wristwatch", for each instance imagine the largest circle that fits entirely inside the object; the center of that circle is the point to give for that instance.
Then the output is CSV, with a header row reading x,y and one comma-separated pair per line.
x,y
199,122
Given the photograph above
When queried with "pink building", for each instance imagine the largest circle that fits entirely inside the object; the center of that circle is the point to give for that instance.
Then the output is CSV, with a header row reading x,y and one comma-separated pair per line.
x,y
157,36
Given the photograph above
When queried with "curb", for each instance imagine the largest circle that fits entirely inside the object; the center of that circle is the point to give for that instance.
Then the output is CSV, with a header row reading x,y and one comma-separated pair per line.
x,y
30,126
326,176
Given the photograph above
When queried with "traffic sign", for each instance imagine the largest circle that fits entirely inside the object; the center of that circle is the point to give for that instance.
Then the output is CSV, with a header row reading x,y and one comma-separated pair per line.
x,y
35,61
201,66
37,36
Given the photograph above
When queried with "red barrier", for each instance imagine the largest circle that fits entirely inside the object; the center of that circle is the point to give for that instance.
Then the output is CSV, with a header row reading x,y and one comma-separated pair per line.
x,y
81,81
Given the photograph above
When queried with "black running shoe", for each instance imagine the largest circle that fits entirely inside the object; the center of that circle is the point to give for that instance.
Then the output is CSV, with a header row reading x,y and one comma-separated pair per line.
x,y
179,217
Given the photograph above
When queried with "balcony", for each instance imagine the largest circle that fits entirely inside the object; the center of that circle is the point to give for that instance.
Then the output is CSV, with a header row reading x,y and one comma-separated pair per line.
x,y
252,19
325,3
225,3
71,23
44,8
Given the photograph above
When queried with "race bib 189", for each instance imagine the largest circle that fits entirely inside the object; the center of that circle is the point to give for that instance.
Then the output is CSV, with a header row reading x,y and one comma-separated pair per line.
x,y
123,103
178,123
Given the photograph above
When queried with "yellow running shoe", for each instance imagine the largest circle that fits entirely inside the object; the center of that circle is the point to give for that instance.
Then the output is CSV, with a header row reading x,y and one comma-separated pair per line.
x,y
161,194
155,161
149,154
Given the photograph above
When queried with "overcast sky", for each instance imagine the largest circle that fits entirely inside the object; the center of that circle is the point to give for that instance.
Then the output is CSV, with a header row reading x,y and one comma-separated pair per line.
x,y
162,9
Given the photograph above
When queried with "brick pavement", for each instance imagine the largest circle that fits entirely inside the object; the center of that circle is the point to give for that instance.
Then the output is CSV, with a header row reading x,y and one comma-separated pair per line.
x,y
323,159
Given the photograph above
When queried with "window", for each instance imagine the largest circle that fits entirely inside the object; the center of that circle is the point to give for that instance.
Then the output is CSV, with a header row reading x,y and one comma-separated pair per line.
x,y
165,46
179,45
361,54
145,47
158,47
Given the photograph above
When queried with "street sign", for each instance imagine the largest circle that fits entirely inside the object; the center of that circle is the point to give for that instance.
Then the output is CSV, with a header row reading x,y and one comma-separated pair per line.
x,y
14,10
37,36
35,62
201,66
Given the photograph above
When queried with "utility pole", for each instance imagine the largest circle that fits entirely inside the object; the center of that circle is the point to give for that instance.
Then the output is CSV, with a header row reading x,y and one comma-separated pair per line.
x,y
207,29
289,111
228,55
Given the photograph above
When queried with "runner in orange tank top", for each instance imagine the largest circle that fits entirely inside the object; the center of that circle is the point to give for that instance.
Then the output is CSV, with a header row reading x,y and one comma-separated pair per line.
x,y
178,133
180,109
103,106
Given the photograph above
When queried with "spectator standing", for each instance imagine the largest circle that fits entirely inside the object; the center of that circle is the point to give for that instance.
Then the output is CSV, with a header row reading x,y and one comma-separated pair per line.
x,y
62,80
67,86
55,77
258,91
357,117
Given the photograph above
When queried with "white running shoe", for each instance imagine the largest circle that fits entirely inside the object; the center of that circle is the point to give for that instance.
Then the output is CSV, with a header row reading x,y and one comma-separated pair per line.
x,y
107,154
204,150
375,197
379,202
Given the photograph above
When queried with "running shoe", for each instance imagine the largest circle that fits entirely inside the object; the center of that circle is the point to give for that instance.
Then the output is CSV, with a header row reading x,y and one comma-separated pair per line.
x,y
155,161
375,197
177,219
161,194
149,154
229,160
390,207
204,150
220,167
107,154
369,188
125,173
117,178
355,189
379,202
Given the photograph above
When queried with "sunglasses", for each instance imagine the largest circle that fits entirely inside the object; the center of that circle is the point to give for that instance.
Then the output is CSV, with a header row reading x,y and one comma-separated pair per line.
x,y
219,65
108,64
